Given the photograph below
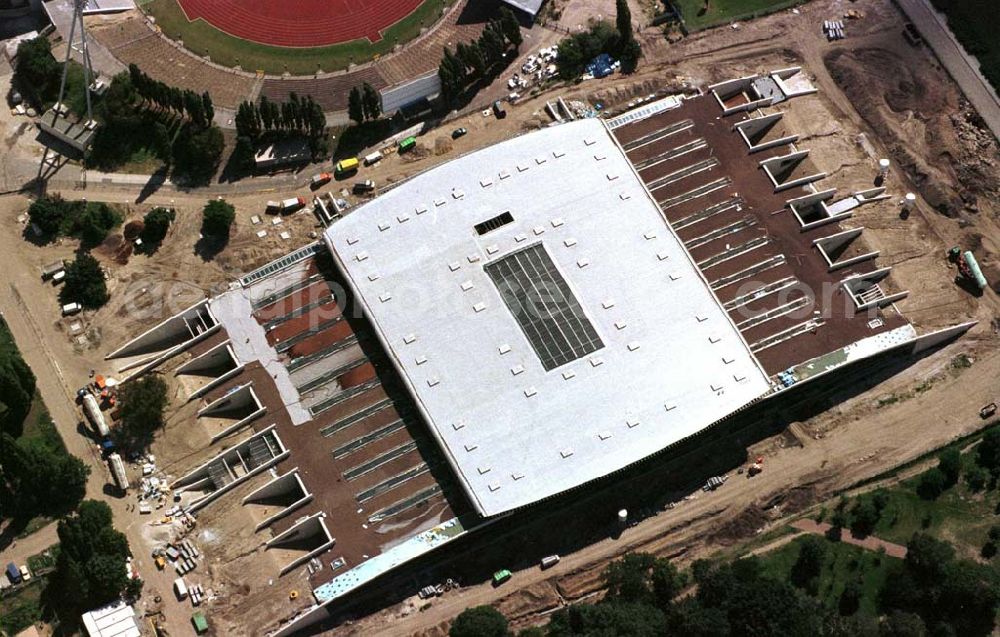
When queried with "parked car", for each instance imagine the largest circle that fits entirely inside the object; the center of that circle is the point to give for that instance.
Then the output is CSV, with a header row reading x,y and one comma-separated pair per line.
x,y
501,576
458,132
498,110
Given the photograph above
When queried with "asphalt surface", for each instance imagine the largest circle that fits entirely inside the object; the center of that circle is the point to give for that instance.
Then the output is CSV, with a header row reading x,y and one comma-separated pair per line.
x,y
962,67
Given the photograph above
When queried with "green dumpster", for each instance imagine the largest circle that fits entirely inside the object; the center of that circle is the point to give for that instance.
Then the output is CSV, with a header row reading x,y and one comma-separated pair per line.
x,y
199,621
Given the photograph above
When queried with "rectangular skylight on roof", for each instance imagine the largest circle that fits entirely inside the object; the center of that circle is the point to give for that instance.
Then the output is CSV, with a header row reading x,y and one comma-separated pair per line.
x,y
544,307
493,223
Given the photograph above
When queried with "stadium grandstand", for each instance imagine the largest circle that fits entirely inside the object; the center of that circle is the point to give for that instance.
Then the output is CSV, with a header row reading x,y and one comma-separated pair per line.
x,y
523,321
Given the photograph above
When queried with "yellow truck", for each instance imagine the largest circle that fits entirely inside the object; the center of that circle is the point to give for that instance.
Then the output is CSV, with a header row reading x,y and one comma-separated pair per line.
x,y
345,166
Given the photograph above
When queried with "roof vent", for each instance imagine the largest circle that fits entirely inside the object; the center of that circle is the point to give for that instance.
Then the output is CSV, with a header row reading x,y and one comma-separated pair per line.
x,y
420,360
383,226
409,338
516,369
454,265
568,374
421,209
467,286
529,392
566,453
432,381
604,435
504,348
403,218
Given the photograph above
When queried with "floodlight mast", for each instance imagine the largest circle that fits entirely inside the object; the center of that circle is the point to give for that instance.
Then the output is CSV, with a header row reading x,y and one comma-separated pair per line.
x,y
88,70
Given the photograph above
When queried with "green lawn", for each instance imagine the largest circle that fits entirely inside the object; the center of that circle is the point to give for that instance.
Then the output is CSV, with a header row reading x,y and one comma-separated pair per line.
x,y
726,11
22,609
202,38
843,562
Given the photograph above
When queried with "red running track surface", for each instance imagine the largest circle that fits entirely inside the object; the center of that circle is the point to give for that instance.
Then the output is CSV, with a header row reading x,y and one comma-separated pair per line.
x,y
300,23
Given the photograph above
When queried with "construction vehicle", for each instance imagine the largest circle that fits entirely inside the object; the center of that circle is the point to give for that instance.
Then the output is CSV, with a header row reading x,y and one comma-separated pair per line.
x,y
362,187
988,411
714,483
345,166
501,576
319,179
968,267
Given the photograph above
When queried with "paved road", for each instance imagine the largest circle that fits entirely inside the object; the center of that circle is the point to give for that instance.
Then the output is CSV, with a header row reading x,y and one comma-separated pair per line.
x,y
961,66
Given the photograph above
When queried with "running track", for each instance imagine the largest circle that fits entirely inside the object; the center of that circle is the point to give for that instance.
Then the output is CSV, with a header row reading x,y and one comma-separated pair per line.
x,y
300,23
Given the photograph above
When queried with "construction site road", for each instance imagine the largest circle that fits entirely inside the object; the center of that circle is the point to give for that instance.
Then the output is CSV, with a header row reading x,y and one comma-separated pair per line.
x,y
962,67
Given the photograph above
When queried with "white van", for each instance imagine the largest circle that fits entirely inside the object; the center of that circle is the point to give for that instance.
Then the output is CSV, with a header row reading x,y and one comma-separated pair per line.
x,y
71,308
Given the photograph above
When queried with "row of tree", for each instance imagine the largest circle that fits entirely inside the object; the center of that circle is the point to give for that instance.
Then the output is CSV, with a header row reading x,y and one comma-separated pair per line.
x,y
480,60
930,592
302,116
90,221
17,384
91,567
364,104
144,116
198,108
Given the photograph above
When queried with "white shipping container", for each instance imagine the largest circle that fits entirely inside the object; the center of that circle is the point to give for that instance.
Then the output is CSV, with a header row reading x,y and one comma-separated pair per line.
x,y
180,587
373,158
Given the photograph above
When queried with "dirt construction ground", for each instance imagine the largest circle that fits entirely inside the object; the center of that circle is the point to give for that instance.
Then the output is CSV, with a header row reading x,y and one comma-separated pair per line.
x,y
878,97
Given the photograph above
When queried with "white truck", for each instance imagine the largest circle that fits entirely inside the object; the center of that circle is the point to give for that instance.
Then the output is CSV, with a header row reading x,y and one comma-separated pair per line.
x,y
288,205
118,471
93,411
180,588
373,158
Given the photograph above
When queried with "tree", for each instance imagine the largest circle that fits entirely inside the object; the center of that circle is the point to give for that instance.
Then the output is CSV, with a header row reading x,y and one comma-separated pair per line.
x,y
243,153
372,101
491,43
927,557
627,579
49,214
356,106
511,27
36,72
864,517
608,619
809,563
900,624
479,621
950,464
623,22
198,151
988,452
194,107
691,619
976,478
37,479
84,283
667,582
94,222
217,217
142,403
207,106
17,385
850,597
932,484
155,225
90,569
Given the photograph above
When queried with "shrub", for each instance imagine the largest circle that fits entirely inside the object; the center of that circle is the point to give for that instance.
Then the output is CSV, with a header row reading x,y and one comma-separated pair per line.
x,y
932,483
155,225
479,621
217,217
84,283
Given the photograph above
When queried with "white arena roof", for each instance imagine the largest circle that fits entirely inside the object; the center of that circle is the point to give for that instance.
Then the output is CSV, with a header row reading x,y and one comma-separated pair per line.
x,y
605,346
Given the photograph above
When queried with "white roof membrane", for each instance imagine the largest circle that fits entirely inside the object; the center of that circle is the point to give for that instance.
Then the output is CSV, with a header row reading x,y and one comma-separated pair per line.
x,y
669,361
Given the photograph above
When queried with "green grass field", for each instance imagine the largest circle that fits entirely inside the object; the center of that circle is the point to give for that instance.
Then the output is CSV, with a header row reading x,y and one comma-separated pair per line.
x,y
202,38
726,11
843,562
